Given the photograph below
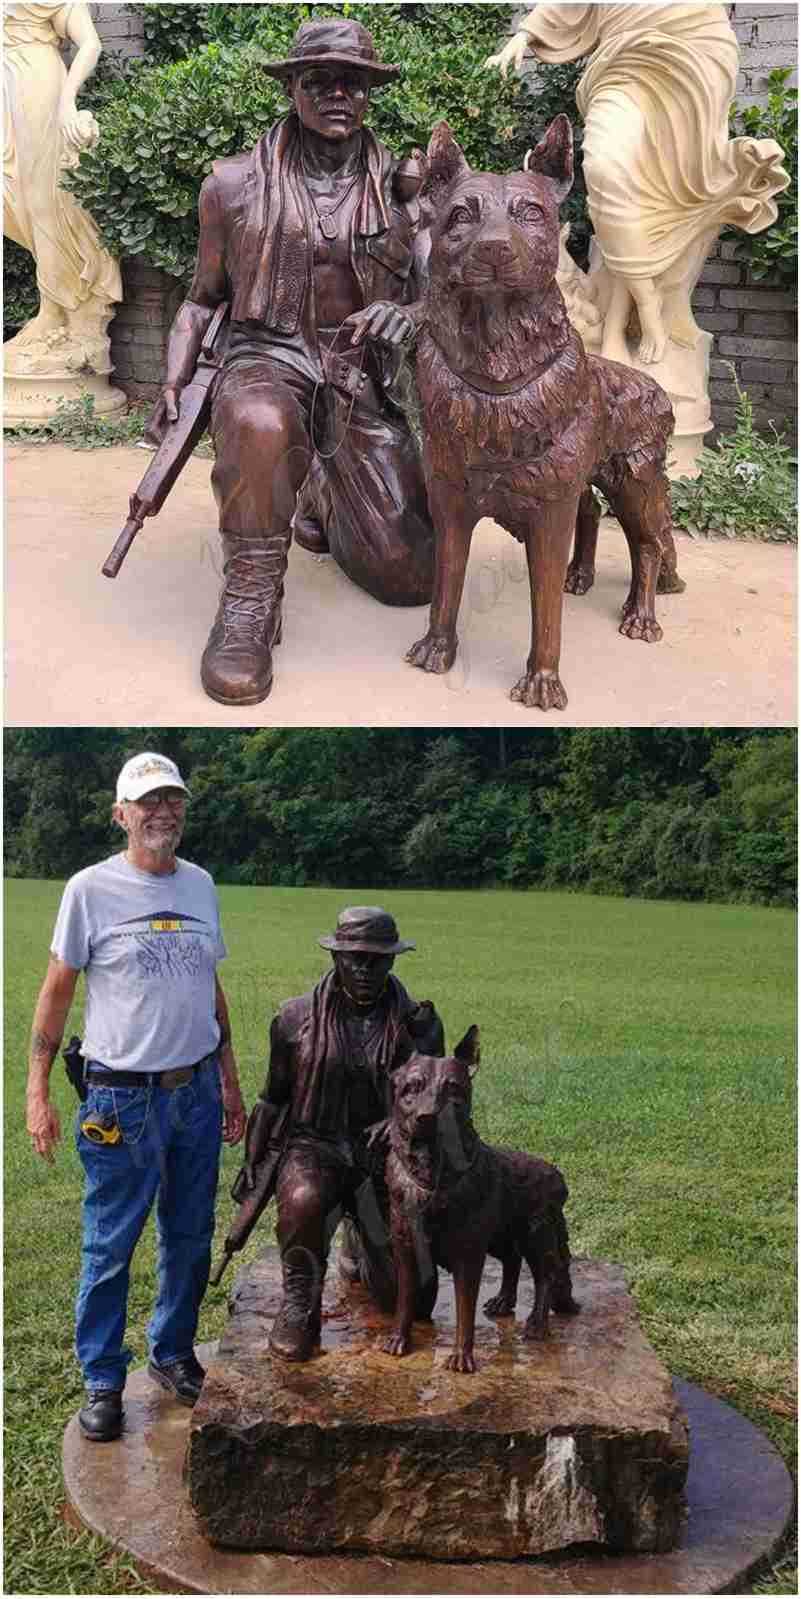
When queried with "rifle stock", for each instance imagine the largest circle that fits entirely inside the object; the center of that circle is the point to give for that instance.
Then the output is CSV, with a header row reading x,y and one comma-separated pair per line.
x,y
177,445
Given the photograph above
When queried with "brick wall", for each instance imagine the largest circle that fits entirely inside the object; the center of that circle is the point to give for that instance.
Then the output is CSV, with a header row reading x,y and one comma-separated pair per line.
x,y
139,329
120,29
755,324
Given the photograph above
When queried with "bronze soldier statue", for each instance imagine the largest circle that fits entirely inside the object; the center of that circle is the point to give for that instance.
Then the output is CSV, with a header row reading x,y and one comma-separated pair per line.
x,y
333,1052
312,237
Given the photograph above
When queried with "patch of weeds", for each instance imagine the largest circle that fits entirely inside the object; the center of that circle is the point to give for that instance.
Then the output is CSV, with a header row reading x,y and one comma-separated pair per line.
x,y
78,425
746,487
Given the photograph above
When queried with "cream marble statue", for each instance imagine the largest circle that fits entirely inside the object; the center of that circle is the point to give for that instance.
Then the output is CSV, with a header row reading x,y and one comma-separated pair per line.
x,y
65,346
663,177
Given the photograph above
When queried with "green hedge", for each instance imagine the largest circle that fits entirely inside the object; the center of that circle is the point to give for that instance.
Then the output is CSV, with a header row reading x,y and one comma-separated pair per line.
x,y
163,125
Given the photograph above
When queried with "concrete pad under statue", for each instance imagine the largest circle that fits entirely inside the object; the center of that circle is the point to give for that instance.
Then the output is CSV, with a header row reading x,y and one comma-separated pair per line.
x,y
739,1494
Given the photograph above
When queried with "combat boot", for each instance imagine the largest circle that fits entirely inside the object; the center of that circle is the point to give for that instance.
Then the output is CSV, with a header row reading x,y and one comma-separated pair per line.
x,y
237,667
296,1329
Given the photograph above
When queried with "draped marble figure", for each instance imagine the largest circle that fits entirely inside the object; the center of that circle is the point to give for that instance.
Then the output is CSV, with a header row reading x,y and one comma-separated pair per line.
x,y
44,132
663,176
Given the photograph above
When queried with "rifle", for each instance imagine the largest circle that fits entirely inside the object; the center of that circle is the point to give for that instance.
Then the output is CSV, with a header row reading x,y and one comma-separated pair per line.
x,y
256,1199
180,438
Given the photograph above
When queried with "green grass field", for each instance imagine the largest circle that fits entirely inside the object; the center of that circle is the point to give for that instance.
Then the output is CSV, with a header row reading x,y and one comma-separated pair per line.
x,y
647,1048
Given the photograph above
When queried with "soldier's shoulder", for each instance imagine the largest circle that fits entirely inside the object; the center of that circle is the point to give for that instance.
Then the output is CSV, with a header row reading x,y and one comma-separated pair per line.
x,y
292,1014
227,175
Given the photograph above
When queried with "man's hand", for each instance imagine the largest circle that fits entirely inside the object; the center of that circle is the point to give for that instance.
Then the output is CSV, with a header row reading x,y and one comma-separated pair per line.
x,y
382,320
43,1125
164,411
234,1113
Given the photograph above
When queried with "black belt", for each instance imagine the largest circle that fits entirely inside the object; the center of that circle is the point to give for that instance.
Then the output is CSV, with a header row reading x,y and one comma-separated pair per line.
x,y
176,1078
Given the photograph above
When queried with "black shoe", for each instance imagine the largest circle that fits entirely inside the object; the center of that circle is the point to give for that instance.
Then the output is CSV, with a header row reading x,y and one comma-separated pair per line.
x,y
101,1417
182,1378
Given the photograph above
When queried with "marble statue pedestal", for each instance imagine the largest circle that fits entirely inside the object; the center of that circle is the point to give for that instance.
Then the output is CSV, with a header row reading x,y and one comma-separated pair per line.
x,y
31,399
575,1441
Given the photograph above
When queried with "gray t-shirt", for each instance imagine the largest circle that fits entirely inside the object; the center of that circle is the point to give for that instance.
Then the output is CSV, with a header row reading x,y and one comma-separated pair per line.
x,y
148,946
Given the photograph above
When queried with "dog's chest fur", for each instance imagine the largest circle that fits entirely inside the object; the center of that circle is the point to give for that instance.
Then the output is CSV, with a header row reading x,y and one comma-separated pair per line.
x,y
443,1203
506,449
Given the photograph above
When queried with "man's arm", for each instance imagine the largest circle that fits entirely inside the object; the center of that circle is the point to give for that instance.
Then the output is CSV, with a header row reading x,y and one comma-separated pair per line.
x,y
52,1008
192,318
234,1113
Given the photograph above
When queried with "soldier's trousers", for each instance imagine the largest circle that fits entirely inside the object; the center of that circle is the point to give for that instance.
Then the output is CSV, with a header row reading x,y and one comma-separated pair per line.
x,y
285,443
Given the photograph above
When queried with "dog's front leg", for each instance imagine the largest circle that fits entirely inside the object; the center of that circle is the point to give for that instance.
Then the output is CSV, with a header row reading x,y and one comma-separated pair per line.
x,y
453,520
547,550
466,1282
399,1341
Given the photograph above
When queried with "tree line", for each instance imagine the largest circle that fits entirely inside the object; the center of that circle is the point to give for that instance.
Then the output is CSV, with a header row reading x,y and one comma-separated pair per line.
x,y
679,813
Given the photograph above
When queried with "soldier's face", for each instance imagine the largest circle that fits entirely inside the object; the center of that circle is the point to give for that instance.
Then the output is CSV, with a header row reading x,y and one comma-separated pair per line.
x,y
363,976
331,101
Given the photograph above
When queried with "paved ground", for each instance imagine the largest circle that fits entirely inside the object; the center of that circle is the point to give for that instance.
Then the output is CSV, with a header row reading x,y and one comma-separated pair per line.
x,y
81,650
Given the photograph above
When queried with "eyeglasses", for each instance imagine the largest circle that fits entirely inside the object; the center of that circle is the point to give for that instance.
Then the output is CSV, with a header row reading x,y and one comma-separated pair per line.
x,y
174,797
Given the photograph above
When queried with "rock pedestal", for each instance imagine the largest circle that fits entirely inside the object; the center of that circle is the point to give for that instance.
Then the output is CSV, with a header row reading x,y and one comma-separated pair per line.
x,y
575,1441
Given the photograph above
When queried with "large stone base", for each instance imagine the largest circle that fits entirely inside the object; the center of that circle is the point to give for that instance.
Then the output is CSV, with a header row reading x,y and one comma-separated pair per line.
x,y
30,400
575,1441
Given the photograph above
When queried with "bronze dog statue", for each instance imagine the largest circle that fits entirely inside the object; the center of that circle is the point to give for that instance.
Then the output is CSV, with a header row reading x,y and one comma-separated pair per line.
x,y
454,1200
517,419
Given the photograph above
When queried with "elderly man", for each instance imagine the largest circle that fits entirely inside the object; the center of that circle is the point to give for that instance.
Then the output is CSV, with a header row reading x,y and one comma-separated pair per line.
x,y
312,237
332,1055
144,928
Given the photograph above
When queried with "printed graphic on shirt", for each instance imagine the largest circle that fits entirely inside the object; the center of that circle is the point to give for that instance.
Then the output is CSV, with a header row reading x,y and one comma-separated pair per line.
x,y
169,944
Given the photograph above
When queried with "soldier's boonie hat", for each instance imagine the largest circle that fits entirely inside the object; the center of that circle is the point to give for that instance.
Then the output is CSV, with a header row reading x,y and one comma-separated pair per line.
x,y
366,928
145,772
332,42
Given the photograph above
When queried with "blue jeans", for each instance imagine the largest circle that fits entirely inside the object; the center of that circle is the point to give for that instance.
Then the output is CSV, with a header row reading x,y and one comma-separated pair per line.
x,y
171,1147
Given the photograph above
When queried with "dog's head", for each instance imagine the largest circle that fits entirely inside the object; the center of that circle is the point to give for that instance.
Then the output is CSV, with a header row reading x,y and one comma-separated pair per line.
x,y
491,234
432,1099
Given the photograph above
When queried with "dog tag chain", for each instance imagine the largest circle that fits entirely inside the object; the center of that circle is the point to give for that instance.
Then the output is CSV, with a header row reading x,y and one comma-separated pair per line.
x,y
325,219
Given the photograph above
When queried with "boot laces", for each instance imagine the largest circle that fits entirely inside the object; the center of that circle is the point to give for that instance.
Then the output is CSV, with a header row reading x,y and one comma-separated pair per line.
x,y
253,586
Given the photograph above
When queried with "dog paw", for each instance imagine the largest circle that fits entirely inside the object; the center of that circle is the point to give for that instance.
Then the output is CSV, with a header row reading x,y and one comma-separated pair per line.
x,y
635,625
434,653
535,1332
499,1305
540,691
567,1307
397,1344
579,580
461,1360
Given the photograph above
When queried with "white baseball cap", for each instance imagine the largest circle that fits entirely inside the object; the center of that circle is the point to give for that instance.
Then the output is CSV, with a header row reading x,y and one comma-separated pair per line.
x,y
145,772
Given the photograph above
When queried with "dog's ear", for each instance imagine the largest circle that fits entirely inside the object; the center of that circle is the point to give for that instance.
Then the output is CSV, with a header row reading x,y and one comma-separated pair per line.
x,y
467,1050
445,163
553,156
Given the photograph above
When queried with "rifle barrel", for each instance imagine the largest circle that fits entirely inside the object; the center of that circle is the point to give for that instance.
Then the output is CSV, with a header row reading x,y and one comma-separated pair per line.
x,y
115,558
216,1275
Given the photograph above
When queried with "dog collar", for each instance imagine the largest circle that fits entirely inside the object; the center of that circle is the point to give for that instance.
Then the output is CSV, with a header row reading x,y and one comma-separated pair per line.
x,y
484,385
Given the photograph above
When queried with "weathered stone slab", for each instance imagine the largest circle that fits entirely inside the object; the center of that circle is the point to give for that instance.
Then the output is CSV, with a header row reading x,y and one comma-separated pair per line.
x,y
579,1440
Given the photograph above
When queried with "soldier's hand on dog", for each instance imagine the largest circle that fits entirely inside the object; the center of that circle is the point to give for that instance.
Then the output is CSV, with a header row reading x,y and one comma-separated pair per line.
x,y
382,320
